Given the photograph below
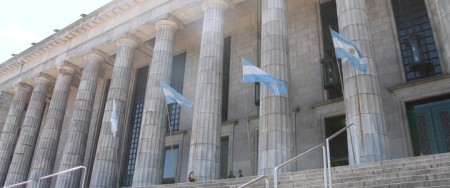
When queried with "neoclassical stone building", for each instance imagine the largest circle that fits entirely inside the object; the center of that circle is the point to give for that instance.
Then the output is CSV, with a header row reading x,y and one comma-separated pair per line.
x,y
57,97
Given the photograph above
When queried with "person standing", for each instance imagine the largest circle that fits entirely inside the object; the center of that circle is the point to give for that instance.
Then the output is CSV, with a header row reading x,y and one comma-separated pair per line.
x,y
191,177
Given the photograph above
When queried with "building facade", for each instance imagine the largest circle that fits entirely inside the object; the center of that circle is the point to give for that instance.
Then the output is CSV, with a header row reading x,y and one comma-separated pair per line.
x,y
60,97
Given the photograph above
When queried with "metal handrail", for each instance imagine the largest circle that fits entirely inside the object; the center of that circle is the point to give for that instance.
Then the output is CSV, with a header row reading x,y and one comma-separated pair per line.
x,y
327,141
266,179
17,184
275,171
65,171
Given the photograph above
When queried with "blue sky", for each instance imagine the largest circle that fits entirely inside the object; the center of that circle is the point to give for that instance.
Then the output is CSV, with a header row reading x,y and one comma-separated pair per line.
x,y
25,21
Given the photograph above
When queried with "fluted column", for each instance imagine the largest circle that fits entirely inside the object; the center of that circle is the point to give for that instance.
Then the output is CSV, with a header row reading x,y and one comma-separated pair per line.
x,y
47,144
5,103
275,128
150,156
105,172
23,152
443,7
204,156
75,147
10,131
361,90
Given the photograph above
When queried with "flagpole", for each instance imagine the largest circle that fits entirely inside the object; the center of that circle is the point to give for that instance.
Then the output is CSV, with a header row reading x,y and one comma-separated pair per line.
x,y
170,140
246,120
359,108
172,96
342,91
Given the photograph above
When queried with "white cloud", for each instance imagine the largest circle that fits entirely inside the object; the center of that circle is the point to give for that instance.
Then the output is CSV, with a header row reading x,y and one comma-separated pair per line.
x,y
14,34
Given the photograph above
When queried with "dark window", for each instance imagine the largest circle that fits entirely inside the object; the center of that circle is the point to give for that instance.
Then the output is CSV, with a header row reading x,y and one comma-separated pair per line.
x,y
176,82
224,145
328,14
135,126
170,165
331,77
419,53
338,145
258,50
226,77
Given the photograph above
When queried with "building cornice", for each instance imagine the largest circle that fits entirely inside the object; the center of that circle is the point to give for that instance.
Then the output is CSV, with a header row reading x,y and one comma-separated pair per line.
x,y
103,14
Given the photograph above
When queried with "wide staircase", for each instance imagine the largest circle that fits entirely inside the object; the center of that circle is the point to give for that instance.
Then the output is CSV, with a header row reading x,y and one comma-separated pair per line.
x,y
424,171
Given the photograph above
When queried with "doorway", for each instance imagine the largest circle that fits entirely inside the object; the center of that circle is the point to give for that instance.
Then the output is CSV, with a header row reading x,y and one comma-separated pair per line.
x,y
429,124
338,145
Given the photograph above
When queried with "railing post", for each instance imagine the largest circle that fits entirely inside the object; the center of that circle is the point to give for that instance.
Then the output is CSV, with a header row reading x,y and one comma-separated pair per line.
x,y
275,177
65,171
266,179
327,143
356,145
325,178
275,170
328,161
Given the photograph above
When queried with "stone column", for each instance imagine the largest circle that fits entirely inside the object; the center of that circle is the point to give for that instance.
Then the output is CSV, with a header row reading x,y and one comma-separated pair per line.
x,y
23,153
5,103
47,144
361,90
105,172
275,128
443,7
150,157
204,156
11,128
75,147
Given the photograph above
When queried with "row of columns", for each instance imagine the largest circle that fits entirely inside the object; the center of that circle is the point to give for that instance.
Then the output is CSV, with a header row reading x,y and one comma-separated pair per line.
x,y
275,145
23,152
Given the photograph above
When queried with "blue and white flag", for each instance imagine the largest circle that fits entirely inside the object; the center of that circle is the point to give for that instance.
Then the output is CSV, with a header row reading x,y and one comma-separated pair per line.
x,y
346,49
254,74
172,96
114,119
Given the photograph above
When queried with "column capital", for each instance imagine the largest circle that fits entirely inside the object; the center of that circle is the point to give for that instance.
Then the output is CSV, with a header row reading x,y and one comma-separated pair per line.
x,y
43,77
68,68
126,41
215,3
23,86
95,55
167,22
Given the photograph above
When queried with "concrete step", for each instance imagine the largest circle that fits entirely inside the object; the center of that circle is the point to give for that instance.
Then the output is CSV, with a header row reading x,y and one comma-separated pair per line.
x,y
423,171
387,182
387,171
368,169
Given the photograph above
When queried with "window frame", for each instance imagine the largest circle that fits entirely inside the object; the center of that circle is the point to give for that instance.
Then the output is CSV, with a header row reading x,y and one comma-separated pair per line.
x,y
398,42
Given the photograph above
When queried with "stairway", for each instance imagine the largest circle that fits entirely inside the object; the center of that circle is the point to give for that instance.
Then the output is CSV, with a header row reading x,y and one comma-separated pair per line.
x,y
424,171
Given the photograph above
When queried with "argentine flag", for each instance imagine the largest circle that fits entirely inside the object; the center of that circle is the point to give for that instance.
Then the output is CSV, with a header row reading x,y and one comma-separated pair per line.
x,y
346,49
114,119
172,96
254,74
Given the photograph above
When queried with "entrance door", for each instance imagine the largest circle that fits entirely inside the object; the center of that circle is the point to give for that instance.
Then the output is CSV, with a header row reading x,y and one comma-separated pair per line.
x,y
338,145
430,127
